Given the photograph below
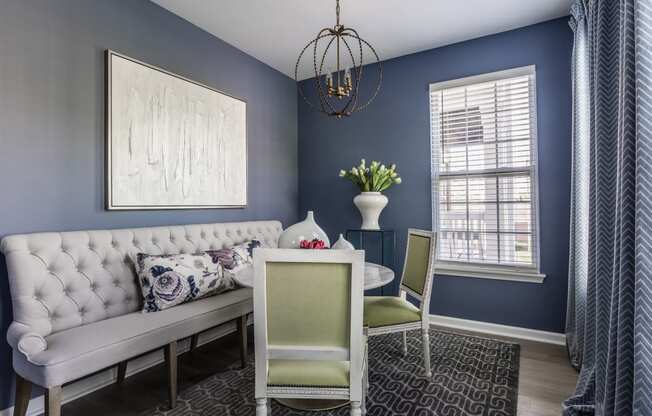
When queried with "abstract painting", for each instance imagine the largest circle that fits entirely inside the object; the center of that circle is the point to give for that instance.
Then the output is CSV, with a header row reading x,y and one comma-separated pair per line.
x,y
172,143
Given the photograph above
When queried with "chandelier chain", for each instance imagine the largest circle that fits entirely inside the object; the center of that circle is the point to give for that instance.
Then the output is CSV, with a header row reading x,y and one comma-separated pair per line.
x,y
337,12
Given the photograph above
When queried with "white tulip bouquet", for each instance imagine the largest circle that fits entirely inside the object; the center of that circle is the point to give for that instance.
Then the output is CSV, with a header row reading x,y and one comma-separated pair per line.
x,y
374,178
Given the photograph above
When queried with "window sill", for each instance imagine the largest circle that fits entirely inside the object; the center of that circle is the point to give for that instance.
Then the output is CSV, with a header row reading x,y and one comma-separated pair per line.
x,y
514,275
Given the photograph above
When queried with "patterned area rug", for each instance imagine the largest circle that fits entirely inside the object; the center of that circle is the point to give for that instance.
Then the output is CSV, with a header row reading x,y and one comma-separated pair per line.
x,y
471,376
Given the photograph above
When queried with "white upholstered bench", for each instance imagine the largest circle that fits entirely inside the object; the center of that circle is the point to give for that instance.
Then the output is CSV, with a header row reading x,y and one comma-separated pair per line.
x,y
77,303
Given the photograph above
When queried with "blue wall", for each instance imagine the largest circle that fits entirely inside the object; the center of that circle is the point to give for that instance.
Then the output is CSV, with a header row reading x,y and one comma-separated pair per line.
x,y
395,128
52,119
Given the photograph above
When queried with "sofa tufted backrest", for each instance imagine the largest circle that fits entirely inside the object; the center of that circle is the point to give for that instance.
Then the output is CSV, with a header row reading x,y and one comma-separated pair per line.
x,y
64,280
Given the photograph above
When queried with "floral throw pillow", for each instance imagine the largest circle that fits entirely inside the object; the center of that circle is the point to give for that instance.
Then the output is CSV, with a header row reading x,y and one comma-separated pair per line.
x,y
237,257
170,280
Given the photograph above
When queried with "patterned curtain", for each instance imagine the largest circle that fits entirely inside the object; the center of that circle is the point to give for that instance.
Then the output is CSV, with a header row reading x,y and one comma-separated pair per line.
x,y
610,299
579,231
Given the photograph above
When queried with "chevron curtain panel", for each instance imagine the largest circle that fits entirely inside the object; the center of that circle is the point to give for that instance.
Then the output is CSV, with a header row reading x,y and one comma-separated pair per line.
x,y
609,320
579,230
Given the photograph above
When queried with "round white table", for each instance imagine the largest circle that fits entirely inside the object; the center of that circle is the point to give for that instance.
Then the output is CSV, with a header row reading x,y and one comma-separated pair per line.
x,y
375,276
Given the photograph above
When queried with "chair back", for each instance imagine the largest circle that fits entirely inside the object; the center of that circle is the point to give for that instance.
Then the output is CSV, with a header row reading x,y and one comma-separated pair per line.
x,y
307,306
418,268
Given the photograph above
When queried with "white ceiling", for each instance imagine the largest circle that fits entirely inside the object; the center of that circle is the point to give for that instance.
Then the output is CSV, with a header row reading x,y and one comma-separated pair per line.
x,y
275,31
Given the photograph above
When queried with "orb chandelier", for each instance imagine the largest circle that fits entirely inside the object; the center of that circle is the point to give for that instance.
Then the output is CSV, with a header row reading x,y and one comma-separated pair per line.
x,y
339,91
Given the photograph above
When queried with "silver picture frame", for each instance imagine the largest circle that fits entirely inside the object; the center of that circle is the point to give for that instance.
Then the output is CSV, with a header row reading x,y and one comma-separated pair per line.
x,y
115,201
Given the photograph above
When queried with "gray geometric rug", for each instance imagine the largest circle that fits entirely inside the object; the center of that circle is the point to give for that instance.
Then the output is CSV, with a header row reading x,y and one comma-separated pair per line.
x,y
471,376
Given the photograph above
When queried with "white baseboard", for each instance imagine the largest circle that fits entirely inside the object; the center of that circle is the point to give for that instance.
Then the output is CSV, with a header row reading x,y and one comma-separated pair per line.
x,y
500,330
90,384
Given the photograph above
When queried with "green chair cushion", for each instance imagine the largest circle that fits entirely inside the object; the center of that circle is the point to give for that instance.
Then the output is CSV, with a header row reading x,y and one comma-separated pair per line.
x,y
389,310
301,373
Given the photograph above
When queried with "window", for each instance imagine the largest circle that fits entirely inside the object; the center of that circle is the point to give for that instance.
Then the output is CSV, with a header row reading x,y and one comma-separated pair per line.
x,y
484,162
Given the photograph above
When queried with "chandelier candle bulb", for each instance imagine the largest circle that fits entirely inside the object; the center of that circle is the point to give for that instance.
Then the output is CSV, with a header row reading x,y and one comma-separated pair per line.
x,y
347,81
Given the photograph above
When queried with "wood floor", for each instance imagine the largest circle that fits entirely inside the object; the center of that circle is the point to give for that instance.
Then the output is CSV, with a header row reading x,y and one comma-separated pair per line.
x,y
546,379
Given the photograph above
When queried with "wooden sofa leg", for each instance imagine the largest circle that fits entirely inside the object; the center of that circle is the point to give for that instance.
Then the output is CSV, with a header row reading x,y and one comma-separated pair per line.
x,y
122,372
171,365
53,401
242,339
194,340
23,394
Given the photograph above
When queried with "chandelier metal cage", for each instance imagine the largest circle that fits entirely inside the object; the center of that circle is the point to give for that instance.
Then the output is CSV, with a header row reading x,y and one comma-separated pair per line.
x,y
339,91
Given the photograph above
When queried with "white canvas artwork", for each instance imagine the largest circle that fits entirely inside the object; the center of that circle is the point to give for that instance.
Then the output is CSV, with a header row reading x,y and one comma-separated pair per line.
x,y
172,143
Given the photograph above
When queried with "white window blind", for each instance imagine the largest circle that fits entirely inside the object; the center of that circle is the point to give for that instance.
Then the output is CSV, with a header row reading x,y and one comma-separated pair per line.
x,y
484,169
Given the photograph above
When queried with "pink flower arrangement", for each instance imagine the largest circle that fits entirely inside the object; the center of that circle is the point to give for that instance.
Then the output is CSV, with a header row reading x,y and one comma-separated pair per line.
x,y
315,244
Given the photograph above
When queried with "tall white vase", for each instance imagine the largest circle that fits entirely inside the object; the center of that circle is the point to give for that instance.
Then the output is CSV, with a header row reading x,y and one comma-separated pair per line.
x,y
304,230
370,204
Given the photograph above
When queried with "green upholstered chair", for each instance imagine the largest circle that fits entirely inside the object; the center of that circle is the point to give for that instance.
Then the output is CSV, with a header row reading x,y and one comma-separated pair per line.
x,y
308,328
392,314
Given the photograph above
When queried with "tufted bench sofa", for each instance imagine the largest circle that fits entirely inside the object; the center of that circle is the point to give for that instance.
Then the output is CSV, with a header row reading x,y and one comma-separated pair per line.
x,y
76,302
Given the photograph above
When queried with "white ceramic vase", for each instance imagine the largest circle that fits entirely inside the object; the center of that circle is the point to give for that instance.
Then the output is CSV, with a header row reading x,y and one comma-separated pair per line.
x,y
304,230
342,244
370,204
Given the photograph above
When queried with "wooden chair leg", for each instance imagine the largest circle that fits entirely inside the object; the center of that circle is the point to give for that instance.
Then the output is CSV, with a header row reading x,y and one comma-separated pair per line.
x,y
366,360
426,353
23,394
171,365
242,339
365,389
355,409
405,351
122,372
261,407
194,341
53,401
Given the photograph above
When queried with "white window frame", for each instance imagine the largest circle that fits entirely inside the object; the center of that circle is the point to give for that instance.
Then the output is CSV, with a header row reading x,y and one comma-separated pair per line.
x,y
480,270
